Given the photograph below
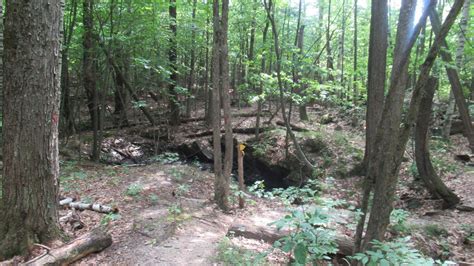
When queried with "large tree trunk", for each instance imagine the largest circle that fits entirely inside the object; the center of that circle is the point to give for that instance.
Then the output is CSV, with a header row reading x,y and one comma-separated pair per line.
x,y
432,181
31,114
1,72
456,86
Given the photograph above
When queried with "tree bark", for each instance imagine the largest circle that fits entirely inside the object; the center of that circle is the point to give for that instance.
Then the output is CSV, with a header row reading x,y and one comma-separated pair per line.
x,y
375,97
427,173
376,73
221,87
31,114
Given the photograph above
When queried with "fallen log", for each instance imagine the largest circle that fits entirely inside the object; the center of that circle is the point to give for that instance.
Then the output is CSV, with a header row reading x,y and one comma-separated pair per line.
x,y
293,127
250,130
69,202
92,242
270,235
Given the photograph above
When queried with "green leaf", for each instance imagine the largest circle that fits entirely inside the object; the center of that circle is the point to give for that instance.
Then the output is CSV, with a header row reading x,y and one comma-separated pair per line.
x,y
384,262
300,253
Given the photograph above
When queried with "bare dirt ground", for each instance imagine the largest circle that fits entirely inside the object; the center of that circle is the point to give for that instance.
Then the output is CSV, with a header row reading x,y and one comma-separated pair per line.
x,y
167,215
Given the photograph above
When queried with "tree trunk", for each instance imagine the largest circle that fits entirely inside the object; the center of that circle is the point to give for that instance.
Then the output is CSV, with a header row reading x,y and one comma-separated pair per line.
x,y
89,75
220,90
262,70
389,153
432,181
67,126
456,86
193,62
1,76
376,74
31,114
375,97
355,90
172,54
299,152
330,64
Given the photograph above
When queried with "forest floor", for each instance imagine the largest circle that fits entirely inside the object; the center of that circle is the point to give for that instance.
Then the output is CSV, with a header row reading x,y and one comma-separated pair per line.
x,y
167,215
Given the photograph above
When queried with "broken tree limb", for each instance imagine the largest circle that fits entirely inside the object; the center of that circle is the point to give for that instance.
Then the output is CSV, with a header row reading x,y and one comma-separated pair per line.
x,y
270,235
250,130
93,207
69,202
92,242
293,127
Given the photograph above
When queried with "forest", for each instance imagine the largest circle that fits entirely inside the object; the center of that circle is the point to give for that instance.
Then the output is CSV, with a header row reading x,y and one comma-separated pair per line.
x,y
244,132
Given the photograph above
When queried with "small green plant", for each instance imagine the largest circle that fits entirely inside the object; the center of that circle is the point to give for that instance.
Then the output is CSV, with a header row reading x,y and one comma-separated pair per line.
x,y
414,170
443,166
310,241
469,233
166,158
176,174
398,219
228,254
258,188
398,252
306,194
435,230
109,218
153,199
134,190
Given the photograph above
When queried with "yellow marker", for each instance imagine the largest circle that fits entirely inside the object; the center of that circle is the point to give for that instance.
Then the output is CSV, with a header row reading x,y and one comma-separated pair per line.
x,y
241,148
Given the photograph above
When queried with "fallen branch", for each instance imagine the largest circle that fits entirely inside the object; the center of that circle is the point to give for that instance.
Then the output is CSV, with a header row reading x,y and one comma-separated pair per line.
x,y
92,242
293,127
270,235
250,130
69,202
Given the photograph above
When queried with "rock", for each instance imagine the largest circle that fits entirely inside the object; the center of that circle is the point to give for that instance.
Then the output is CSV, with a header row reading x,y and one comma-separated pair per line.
x,y
326,119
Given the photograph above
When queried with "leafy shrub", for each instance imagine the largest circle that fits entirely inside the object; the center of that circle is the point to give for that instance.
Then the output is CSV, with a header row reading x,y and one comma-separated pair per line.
x,y
398,252
398,219
134,190
166,158
310,241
